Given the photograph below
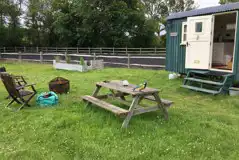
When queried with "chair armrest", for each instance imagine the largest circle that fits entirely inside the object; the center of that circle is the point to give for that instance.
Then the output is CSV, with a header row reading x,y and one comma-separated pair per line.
x,y
27,85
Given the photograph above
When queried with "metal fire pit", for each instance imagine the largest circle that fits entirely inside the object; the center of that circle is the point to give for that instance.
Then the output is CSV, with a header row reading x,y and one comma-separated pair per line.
x,y
59,85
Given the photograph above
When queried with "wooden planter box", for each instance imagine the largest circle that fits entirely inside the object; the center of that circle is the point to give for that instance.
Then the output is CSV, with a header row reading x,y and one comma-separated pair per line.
x,y
93,64
69,67
233,91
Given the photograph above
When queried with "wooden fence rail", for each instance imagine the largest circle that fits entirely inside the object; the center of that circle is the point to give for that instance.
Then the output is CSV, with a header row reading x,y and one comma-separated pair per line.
x,y
114,51
128,57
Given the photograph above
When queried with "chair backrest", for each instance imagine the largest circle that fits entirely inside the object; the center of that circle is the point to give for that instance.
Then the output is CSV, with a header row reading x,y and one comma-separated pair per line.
x,y
10,84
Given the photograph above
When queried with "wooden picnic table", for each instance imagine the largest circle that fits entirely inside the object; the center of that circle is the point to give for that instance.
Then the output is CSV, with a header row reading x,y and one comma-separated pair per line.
x,y
118,92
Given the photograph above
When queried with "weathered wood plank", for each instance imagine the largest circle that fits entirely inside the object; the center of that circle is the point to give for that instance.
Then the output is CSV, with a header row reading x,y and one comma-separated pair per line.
x,y
116,110
165,102
94,94
131,111
161,106
117,85
142,110
127,103
111,95
97,90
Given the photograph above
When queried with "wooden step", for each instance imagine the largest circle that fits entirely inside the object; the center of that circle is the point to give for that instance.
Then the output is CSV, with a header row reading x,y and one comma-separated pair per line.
x,y
165,102
201,89
204,81
199,71
107,106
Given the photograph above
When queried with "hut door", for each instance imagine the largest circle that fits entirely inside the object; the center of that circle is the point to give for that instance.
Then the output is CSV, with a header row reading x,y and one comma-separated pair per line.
x,y
199,42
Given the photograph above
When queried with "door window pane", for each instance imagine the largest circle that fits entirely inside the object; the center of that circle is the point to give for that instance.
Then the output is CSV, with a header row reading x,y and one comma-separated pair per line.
x,y
184,37
198,27
185,28
184,33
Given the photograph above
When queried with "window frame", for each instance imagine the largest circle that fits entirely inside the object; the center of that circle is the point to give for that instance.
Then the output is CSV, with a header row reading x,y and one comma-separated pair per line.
x,y
197,27
184,42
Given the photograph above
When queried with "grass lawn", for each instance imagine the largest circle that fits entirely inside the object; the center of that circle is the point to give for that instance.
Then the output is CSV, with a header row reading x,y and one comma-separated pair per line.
x,y
201,126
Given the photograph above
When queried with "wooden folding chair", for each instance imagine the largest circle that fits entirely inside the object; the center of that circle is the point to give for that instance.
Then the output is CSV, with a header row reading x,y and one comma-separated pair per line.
x,y
16,92
20,81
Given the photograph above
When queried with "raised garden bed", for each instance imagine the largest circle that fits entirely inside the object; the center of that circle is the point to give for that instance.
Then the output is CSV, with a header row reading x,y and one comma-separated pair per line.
x,y
234,91
93,64
69,67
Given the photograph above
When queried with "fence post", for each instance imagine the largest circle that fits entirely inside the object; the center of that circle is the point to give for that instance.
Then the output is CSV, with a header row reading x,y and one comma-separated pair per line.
x,y
65,55
19,57
128,60
101,51
77,50
94,56
4,49
37,49
113,50
41,57
0,54
56,50
155,50
126,50
89,50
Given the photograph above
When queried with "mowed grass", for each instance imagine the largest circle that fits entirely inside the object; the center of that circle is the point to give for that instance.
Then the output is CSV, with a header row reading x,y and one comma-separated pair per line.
x,y
201,126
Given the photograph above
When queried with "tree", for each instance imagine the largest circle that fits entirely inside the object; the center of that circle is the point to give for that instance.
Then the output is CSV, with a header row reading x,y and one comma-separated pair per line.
x,y
103,23
10,29
95,23
228,1
158,9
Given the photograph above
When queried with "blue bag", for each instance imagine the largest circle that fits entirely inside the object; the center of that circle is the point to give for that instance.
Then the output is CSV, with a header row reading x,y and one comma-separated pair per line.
x,y
47,99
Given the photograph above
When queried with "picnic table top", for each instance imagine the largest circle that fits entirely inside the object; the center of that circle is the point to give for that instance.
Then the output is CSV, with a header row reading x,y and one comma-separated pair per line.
x,y
118,86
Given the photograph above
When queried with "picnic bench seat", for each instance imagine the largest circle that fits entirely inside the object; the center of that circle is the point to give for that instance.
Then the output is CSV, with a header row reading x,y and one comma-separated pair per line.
x,y
112,108
118,92
165,102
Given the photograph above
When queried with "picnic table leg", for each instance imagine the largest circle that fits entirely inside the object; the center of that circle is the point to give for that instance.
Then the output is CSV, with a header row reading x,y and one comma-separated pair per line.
x,y
140,99
115,94
95,93
131,112
161,106
122,98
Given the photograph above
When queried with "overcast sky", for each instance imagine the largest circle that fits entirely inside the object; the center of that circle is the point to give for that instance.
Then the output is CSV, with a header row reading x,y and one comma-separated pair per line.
x,y
206,3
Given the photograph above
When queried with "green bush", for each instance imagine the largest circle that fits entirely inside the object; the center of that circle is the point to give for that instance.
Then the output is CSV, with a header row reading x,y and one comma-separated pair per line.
x,y
57,58
68,59
82,61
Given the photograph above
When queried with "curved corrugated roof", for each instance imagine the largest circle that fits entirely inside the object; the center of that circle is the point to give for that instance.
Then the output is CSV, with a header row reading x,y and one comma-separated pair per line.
x,y
204,11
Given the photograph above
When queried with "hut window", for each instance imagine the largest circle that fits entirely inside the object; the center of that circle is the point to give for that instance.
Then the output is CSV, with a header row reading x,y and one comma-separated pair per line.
x,y
198,27
184,33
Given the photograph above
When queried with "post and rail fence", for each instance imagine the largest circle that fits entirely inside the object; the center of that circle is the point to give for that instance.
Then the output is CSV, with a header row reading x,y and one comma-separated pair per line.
x,y
126,57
